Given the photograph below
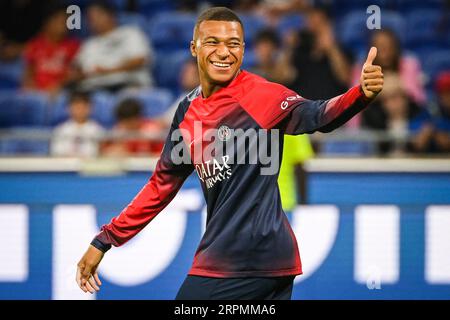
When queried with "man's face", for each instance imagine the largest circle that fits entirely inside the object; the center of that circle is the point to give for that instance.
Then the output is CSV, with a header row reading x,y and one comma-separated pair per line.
x,y
265,52
219,48
80,111
386,52
99,20
56,24
444,99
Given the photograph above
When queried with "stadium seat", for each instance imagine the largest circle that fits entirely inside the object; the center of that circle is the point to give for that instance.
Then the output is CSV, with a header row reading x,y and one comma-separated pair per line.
x,y
134,19
153,7
104,104
252,25
11,74
249,59
352,31
354,34
167,66
343,7
406,6
347,148
435,63
290,22
171,30
23,109
425,24
24,147
394,21
154,101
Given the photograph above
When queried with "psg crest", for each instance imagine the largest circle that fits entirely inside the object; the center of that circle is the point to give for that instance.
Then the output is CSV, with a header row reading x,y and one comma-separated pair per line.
x,y
224,133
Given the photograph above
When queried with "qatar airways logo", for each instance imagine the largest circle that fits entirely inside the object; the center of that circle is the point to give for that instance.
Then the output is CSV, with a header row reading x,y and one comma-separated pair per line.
x,y
212,171
214,151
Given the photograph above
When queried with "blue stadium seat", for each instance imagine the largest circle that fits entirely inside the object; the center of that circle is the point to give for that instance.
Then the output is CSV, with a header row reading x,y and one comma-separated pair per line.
x,y
352,31
395,22
154,101
134,19
405,6
23,109
171,30
24,147
290,22
347,148
354,34
343,7
249,59
152,7
11,74
252,25
425,25
104,104
167,67
435,63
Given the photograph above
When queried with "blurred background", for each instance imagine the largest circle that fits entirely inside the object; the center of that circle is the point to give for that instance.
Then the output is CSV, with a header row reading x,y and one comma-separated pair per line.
x,y
86,102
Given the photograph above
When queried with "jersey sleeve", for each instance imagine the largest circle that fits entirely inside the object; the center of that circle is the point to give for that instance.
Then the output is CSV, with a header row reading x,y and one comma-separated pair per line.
x,y
157,193
275,106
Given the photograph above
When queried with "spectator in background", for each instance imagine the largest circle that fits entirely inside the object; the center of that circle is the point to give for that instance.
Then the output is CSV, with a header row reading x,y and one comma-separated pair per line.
x,y
273,10
116,57
127,133
271,63
434,131
323,68
392,111
79,135
188,81
391,58
48,56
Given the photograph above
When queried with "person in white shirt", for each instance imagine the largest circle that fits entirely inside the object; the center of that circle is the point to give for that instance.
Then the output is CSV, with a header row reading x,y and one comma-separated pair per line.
x,y
79,136
116,57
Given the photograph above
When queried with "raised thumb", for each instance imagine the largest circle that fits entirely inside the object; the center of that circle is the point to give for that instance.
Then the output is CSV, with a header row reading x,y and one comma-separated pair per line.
x,y
371,56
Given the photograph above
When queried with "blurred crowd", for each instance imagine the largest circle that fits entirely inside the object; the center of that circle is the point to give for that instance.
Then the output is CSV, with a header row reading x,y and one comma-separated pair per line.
x,y
112,87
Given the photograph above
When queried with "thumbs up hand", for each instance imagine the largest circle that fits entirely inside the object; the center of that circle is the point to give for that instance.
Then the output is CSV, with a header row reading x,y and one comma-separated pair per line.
x,y
371,76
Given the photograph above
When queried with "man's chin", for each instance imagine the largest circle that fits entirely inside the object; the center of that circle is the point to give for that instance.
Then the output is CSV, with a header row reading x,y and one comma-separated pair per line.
x,y
222,79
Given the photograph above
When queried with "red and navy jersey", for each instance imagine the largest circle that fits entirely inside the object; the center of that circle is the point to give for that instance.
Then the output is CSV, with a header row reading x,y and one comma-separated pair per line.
x,y
247,233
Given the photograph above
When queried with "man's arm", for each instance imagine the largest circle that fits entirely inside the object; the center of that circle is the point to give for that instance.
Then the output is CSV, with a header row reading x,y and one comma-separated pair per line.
x,y
161,188
272,105
308,116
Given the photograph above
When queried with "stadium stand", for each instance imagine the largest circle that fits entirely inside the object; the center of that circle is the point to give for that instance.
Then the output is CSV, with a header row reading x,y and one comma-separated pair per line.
x,y
170,32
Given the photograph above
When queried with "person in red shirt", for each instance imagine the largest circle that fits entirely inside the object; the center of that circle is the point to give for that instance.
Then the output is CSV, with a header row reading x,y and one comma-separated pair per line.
x,y
49,55
129,130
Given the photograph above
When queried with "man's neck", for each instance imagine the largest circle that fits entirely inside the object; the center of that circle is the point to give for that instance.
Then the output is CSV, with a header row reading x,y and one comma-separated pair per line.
x,y
208,88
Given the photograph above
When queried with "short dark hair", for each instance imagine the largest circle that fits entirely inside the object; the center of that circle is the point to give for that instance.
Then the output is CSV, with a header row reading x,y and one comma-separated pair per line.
x,y
79,96
323,9
267,35
54,8
128,108
217,14
104,5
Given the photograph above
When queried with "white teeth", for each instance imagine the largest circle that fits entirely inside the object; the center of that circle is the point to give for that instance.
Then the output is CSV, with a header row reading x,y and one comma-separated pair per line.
x,y
223,65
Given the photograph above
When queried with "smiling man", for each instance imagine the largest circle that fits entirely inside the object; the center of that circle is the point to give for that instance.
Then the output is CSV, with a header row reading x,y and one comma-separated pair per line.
x,y
248,250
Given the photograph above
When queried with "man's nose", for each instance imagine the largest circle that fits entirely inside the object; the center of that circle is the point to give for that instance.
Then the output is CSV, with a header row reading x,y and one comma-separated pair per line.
x,y
222,51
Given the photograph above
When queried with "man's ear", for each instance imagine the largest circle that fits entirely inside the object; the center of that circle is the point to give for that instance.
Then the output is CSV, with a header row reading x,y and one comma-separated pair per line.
x,y
193,48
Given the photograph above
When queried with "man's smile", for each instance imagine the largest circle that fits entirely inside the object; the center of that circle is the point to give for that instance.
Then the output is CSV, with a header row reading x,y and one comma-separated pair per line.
x,y
221,65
